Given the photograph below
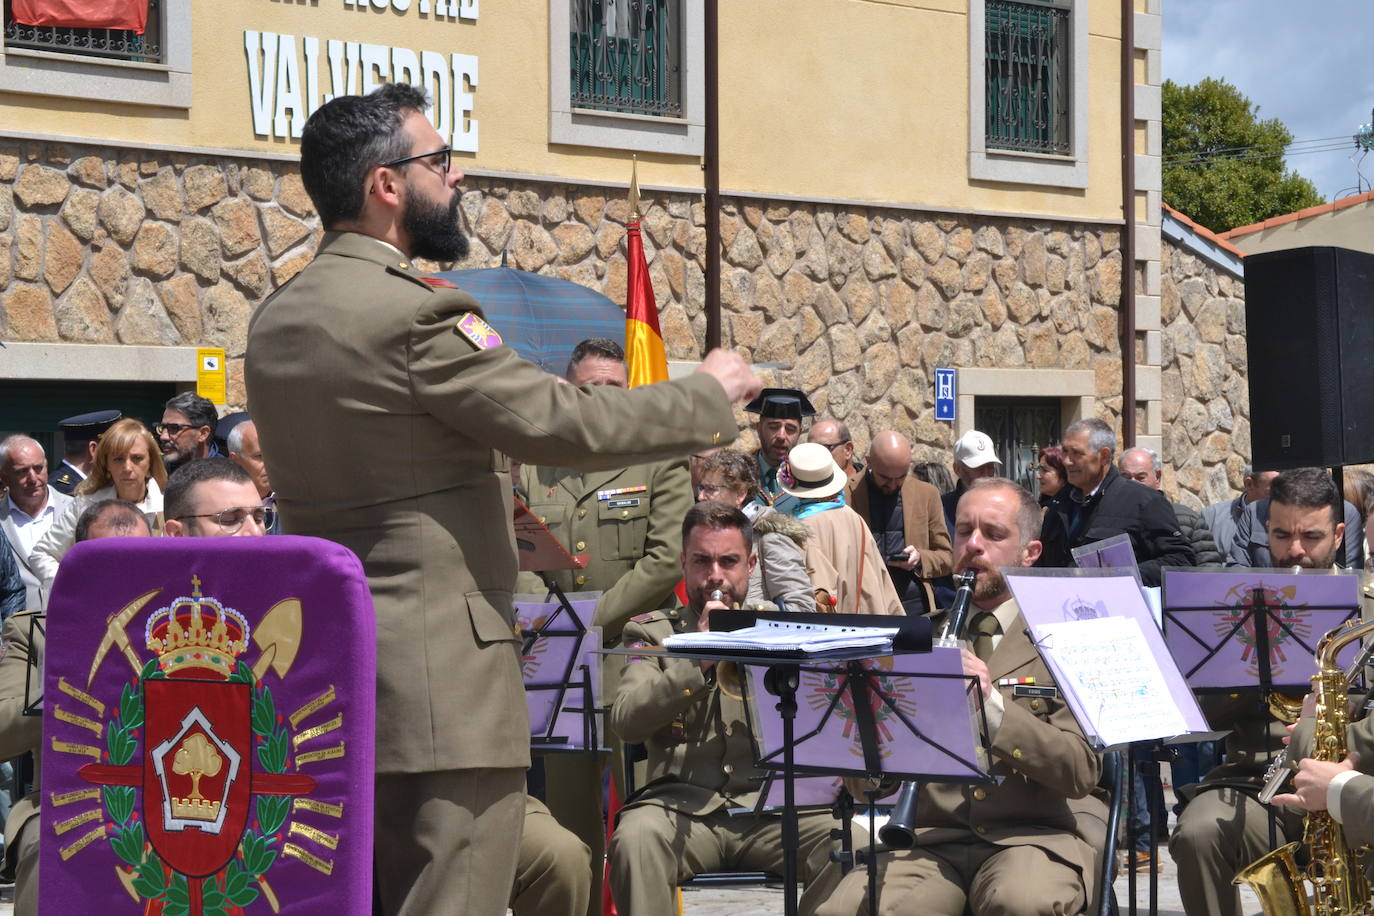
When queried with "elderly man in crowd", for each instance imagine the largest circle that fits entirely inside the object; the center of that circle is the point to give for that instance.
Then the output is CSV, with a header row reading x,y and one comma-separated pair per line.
x,y
835,436
1029,843
1223,517
906,519
1098,503
701,760
1224,827
28,509
245,451
1144,466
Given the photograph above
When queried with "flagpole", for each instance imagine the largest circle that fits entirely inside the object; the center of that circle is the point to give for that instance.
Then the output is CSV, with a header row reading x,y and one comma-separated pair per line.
x,y
712,155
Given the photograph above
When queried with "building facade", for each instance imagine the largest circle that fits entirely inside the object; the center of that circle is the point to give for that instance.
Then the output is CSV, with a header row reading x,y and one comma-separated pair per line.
x,y
903,186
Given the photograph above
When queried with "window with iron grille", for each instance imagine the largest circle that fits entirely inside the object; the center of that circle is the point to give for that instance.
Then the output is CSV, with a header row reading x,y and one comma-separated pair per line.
x,y
108,44
1027,78
625,56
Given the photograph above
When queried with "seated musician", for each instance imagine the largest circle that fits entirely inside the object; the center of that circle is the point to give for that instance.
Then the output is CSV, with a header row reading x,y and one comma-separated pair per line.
x,y
1028,844
700,748
21,734
1340,788
1224,827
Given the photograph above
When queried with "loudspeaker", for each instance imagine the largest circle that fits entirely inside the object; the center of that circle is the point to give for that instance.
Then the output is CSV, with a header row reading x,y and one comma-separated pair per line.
x,y
1309,323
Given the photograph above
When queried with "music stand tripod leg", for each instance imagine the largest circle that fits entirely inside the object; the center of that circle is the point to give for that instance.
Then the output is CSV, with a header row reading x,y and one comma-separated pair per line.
x,y
782,681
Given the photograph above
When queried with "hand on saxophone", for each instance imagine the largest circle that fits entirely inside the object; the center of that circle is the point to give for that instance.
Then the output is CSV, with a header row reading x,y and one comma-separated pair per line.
x,y
1312,780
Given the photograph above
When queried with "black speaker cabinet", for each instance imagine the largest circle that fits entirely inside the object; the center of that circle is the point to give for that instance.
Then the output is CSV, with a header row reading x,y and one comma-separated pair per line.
x,y
1309,324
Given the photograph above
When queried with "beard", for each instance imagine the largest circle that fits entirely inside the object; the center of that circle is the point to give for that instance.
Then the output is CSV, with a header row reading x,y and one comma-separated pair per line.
x,y
434,230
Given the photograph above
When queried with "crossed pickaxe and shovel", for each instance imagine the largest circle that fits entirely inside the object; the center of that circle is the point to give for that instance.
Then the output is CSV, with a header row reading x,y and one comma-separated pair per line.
x,y
277,635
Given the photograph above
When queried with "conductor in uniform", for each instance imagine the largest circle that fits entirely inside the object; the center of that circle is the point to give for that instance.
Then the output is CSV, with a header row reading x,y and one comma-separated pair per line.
x,y
387,409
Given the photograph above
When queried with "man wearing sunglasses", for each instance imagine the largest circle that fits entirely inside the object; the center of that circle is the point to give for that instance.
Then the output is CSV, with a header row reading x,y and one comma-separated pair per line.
x,y
214,497
388,411
187,430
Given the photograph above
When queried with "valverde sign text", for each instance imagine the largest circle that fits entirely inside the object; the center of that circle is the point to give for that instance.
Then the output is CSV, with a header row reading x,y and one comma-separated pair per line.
x,y
289,77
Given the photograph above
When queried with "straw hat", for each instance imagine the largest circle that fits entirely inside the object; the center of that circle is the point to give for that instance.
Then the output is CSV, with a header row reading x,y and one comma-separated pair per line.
x,y
811,472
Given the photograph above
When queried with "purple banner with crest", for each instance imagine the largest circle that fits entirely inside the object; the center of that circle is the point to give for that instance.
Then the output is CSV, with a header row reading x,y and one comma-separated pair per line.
x,y
209,718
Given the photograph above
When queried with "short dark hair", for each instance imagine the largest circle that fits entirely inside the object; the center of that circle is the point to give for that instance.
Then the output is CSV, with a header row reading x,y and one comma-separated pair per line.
x,y
600,347
347,137
196,409
176,502
717,516
122,516
1307,488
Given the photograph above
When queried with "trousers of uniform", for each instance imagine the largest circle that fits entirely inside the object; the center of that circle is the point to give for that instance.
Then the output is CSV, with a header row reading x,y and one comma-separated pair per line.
x,y
26,869
553,874
950,879
446,842
653,850
1221,831
574,792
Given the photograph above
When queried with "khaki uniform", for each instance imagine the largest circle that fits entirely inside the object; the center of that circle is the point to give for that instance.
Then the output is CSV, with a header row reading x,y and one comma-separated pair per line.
x,y
20,734
1028,845
700,765
1223,827
629,523
386,409
553,872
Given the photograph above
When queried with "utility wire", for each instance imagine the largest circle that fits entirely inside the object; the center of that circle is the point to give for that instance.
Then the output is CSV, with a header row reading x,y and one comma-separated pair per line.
x,y
1234,149
1252,156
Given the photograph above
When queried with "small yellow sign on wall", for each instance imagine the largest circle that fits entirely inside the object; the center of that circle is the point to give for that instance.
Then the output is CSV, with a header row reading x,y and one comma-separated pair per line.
x,y
212,376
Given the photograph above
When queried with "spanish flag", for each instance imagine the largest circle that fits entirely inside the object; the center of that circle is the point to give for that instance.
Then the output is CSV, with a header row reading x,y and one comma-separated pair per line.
x,y
644,352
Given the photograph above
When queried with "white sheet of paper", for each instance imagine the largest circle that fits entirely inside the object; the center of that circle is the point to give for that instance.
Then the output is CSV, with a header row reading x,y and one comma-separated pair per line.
x,y
1114,675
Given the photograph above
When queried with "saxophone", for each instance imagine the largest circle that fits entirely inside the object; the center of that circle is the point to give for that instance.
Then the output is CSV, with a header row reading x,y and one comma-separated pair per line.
x,y
1334,870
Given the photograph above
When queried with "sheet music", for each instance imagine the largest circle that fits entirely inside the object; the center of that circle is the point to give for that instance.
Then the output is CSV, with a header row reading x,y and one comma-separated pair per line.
x,y
786,636
1114,675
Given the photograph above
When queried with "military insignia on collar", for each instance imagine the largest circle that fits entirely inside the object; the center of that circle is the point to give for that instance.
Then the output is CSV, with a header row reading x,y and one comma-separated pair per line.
x,y
440,283
482,335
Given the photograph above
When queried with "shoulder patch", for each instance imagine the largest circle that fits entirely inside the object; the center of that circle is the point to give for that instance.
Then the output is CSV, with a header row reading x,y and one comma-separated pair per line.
x,y
439,283
482,335
647,618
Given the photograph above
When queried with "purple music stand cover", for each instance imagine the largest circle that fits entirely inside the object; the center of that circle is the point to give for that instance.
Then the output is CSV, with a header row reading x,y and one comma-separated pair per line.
x,y
929,689
1202,609
1054,596
571,722
548,661
208,731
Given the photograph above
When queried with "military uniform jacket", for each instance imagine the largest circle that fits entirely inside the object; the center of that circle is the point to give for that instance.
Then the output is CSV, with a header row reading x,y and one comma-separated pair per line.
x,y
65,479
629,522
700,747
386,407
1049,773
19,733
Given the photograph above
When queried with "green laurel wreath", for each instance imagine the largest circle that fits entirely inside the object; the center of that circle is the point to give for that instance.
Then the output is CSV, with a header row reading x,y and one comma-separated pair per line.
x,y
234,885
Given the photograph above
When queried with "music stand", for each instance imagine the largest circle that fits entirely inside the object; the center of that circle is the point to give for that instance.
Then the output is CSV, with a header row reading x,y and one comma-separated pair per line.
x,y
33,672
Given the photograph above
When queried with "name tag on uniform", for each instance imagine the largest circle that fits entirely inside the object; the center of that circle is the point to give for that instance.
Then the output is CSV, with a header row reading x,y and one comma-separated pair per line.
x,y
603,495
1027,690
622,503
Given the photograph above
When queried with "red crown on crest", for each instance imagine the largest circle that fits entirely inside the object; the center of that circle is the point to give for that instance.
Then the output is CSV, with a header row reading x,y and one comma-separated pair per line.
x,y
197,632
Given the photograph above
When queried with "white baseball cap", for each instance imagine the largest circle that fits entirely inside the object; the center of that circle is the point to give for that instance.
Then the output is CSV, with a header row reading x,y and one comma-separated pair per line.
x,y
974,449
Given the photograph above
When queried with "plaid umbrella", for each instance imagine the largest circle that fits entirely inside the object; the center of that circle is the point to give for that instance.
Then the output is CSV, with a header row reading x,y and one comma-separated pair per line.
x,y
543,318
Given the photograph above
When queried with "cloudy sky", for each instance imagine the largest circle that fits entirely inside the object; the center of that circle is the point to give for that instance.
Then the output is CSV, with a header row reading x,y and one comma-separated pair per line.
x,y
1308,64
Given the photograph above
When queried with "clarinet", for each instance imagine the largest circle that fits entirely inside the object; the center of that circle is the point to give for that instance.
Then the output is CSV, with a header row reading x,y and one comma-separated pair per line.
x,y
900,830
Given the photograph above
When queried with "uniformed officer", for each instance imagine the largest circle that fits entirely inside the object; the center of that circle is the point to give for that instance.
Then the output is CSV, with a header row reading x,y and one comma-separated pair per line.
x,y
700,745
1030,843
80,433
386,408
627,521
553,871
781,412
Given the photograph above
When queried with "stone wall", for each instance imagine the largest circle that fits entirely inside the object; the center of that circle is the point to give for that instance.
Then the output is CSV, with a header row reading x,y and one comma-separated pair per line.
x,y
1206,396
855,305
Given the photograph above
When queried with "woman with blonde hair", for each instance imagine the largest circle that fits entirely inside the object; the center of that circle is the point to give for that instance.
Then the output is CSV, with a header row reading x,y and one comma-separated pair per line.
x,y
128,466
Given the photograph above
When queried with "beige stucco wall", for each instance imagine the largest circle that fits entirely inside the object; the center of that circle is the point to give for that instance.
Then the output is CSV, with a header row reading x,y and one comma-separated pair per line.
x,y
1352,227
850,100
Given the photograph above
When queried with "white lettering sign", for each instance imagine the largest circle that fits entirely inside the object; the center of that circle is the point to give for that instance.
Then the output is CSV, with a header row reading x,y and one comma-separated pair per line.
x,y
284,77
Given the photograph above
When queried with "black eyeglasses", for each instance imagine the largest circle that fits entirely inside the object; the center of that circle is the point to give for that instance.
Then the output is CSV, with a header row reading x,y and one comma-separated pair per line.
x,y
232,519
444,162
832,445
172,429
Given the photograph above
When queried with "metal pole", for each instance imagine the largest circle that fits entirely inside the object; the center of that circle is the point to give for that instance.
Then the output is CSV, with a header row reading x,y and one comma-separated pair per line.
x,y
1128,430
711,164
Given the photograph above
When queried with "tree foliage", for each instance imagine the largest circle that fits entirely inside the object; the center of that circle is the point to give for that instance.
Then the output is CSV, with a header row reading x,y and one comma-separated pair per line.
x,y
1223,166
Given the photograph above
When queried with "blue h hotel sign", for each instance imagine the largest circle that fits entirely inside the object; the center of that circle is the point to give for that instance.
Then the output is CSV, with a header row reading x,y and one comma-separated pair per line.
x,y
945,392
